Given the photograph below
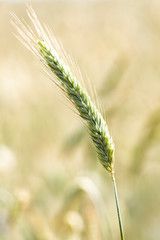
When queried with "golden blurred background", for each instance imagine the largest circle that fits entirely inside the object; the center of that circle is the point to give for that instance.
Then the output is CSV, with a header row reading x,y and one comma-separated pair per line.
x,y
52,185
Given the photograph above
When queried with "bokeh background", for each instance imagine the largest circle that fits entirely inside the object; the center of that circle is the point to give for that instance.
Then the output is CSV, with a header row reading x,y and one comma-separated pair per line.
x,y
51,184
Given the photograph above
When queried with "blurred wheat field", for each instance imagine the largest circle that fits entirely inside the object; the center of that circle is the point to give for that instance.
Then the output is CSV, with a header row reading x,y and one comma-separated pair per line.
x,y
52,185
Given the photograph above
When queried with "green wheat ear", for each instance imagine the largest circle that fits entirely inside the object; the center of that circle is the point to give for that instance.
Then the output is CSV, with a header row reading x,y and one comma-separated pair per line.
x,y
41,43
96,125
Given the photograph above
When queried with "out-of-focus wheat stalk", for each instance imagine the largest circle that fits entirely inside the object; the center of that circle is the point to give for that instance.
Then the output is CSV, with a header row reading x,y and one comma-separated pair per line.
x,y
44,45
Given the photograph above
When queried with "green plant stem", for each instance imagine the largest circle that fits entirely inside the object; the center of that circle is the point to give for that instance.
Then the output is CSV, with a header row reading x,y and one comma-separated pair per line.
x,y
118,208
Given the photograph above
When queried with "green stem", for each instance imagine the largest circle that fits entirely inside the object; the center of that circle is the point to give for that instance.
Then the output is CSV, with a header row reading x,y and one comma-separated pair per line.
x,y
118,208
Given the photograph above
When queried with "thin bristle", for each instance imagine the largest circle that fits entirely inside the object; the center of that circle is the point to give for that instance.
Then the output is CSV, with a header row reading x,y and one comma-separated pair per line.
x,y
44,45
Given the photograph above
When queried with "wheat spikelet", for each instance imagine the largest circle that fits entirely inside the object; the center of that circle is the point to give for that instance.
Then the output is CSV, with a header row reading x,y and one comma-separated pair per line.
x,y
40,43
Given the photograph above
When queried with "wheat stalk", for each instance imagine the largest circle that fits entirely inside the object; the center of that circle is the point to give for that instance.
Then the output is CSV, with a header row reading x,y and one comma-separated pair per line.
x,y
41,43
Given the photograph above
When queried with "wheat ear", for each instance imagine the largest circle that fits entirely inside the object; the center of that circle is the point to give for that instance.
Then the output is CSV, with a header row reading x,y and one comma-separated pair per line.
x,y
40,43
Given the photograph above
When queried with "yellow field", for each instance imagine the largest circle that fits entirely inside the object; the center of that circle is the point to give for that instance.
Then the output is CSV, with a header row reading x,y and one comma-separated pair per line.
x,y
52,185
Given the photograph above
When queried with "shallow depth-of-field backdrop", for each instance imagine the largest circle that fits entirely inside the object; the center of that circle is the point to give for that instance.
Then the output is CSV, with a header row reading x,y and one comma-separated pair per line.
x,y
52,187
